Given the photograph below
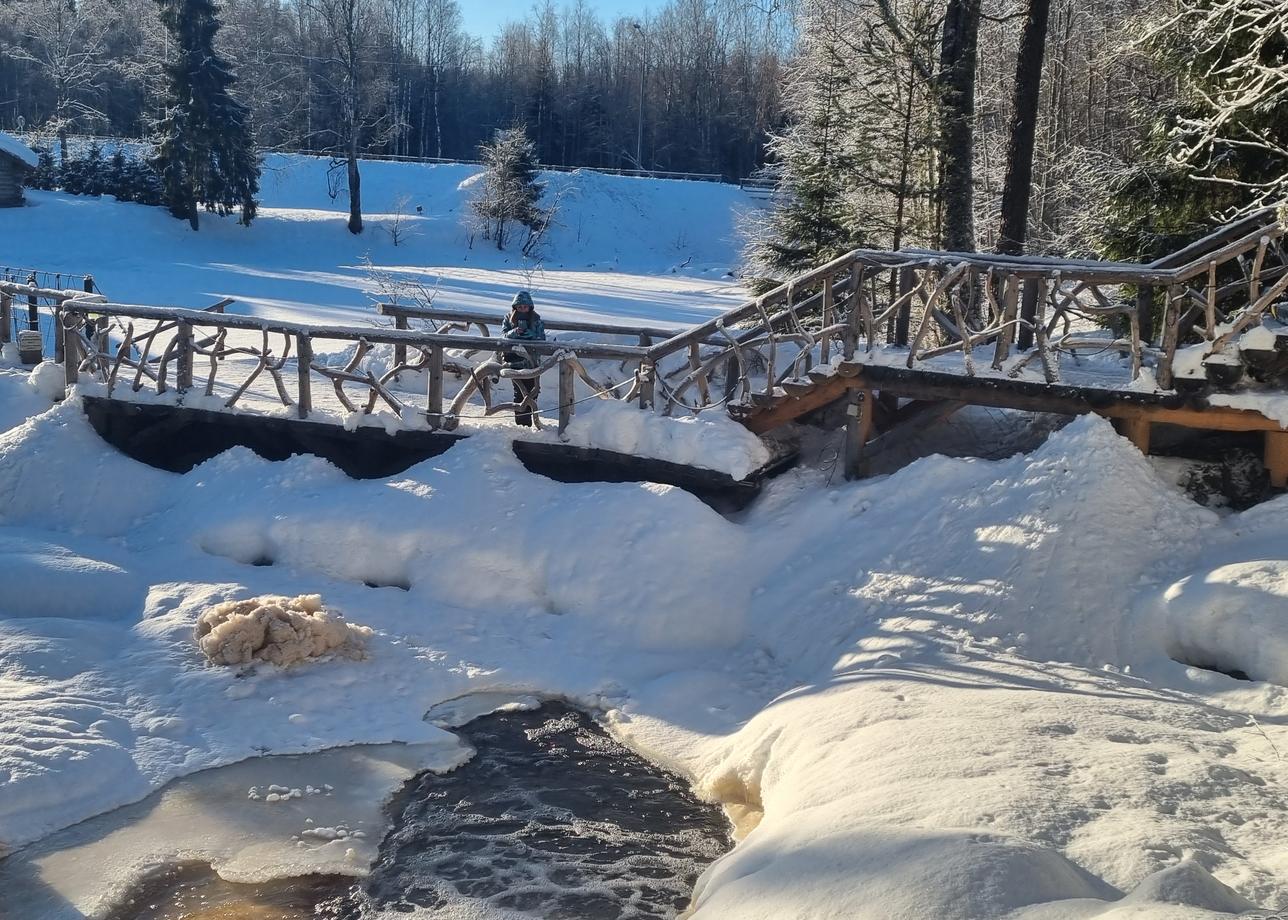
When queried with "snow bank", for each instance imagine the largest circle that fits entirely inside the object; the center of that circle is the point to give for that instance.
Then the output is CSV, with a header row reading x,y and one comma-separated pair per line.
x,y
280,630
711,440
1232,618
942,693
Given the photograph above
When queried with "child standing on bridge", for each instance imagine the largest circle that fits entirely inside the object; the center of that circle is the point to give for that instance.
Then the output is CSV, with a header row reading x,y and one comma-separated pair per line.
x,y
523,324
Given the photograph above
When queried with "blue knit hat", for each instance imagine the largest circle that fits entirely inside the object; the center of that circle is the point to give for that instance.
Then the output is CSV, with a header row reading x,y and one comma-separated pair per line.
x,y
523,297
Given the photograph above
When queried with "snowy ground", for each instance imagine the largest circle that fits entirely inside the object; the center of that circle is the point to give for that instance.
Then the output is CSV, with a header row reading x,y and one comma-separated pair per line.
x,y
633,249
952,692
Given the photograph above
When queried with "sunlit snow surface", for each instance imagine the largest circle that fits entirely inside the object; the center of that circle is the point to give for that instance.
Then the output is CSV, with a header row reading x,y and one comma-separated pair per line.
x,y
951,692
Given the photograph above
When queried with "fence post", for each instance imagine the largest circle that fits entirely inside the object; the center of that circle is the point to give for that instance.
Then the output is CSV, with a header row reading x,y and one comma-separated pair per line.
x,y
566,395
304,364
647,371
825,345
6,318
33,314
71,353
434,402
400,351
183,358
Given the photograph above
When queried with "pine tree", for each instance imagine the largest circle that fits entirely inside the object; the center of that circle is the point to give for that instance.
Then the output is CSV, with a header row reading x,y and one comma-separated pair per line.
x,y
510,190
206,154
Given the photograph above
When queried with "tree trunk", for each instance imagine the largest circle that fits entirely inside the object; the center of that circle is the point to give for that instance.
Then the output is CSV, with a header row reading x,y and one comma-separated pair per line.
x,y
958,57
1018,185
355,187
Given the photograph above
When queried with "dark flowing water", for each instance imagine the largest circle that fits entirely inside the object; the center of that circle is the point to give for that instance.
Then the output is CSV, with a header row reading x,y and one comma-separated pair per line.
x,y
551,819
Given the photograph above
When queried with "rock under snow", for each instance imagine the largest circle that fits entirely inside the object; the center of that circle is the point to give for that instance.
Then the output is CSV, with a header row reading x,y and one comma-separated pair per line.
x,y
279,630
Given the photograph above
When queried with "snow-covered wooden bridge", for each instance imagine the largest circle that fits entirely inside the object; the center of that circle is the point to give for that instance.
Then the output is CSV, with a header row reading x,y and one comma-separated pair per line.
x,y
897,337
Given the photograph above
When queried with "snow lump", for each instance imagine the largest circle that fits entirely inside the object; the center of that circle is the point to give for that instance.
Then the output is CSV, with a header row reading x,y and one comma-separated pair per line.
x,y
279,630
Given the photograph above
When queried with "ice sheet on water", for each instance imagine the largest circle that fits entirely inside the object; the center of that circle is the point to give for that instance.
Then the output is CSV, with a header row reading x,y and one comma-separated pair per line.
x,y
231,818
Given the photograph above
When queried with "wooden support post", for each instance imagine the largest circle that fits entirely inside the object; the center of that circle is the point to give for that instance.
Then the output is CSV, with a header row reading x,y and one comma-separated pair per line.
x,y
183,358
858,430
733,373
1171,325
1010,308
304,366
6,318
33,314
866,316
1136,429
1145,312
647,372
907,280
825,346
400,351
1210,304
851,340
71,351
566,395
695,362
1277,458
434,396
1028,313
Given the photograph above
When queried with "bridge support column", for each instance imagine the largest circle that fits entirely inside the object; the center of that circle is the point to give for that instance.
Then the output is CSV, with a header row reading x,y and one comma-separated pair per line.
x,y
859,413
1277,458
1135,429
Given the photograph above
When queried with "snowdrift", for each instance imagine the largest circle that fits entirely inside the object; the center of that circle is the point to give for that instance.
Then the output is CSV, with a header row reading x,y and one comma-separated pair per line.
x,y
944,693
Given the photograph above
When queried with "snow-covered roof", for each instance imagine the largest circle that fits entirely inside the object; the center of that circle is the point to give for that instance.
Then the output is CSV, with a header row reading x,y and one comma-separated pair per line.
x,y
18,150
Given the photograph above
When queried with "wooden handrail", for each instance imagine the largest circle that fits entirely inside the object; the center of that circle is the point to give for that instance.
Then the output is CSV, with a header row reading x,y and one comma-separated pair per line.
x,y
371,334
559,325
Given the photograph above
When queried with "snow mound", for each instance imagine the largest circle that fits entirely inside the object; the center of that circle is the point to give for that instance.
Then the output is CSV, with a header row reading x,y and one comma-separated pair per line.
x,y
1230,618
1188,884
280,630
712,441
47,379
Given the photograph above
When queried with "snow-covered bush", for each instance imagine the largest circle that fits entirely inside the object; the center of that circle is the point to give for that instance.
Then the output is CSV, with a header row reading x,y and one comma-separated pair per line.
x,y
279,630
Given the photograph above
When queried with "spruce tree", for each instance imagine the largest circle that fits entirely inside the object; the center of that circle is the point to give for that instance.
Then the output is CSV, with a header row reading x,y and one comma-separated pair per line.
x,y
815,161
510,190
205,154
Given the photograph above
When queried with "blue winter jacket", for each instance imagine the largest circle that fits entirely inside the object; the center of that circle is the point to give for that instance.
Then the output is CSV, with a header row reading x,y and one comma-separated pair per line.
x,y
529,328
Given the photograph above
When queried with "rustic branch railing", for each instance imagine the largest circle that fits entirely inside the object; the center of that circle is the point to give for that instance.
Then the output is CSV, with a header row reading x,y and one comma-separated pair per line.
x,y
161,348
972,314
918,306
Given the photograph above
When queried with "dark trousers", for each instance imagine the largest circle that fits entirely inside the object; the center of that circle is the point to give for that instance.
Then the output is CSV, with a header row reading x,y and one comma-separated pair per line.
x,y
523,389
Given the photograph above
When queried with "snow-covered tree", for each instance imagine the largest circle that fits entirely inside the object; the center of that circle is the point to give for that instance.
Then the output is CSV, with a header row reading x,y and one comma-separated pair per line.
x,y
855,165
509,191
1220,148
206,153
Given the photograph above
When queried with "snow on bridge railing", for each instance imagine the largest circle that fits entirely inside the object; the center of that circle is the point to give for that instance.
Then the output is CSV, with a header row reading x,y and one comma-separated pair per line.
x,y
916,306
156,350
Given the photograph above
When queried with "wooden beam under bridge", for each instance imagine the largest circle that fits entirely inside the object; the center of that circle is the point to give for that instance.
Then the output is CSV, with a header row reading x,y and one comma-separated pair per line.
x,y
1134,413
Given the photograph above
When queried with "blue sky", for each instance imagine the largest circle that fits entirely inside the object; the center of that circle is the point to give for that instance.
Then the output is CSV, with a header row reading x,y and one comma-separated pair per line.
x,y
484,17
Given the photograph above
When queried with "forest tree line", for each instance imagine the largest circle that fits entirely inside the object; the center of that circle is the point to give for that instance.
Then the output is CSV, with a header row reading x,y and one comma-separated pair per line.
x,y
1097,127
403,77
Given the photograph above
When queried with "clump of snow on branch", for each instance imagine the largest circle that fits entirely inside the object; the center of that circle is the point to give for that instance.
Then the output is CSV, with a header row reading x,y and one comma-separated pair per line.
x,y
279,630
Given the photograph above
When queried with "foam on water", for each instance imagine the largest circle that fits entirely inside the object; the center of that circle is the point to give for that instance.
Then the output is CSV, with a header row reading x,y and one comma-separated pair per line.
x,y
551,818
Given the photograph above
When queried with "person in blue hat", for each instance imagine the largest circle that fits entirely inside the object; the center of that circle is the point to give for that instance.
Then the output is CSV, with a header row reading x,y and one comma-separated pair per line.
x,y
522,324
